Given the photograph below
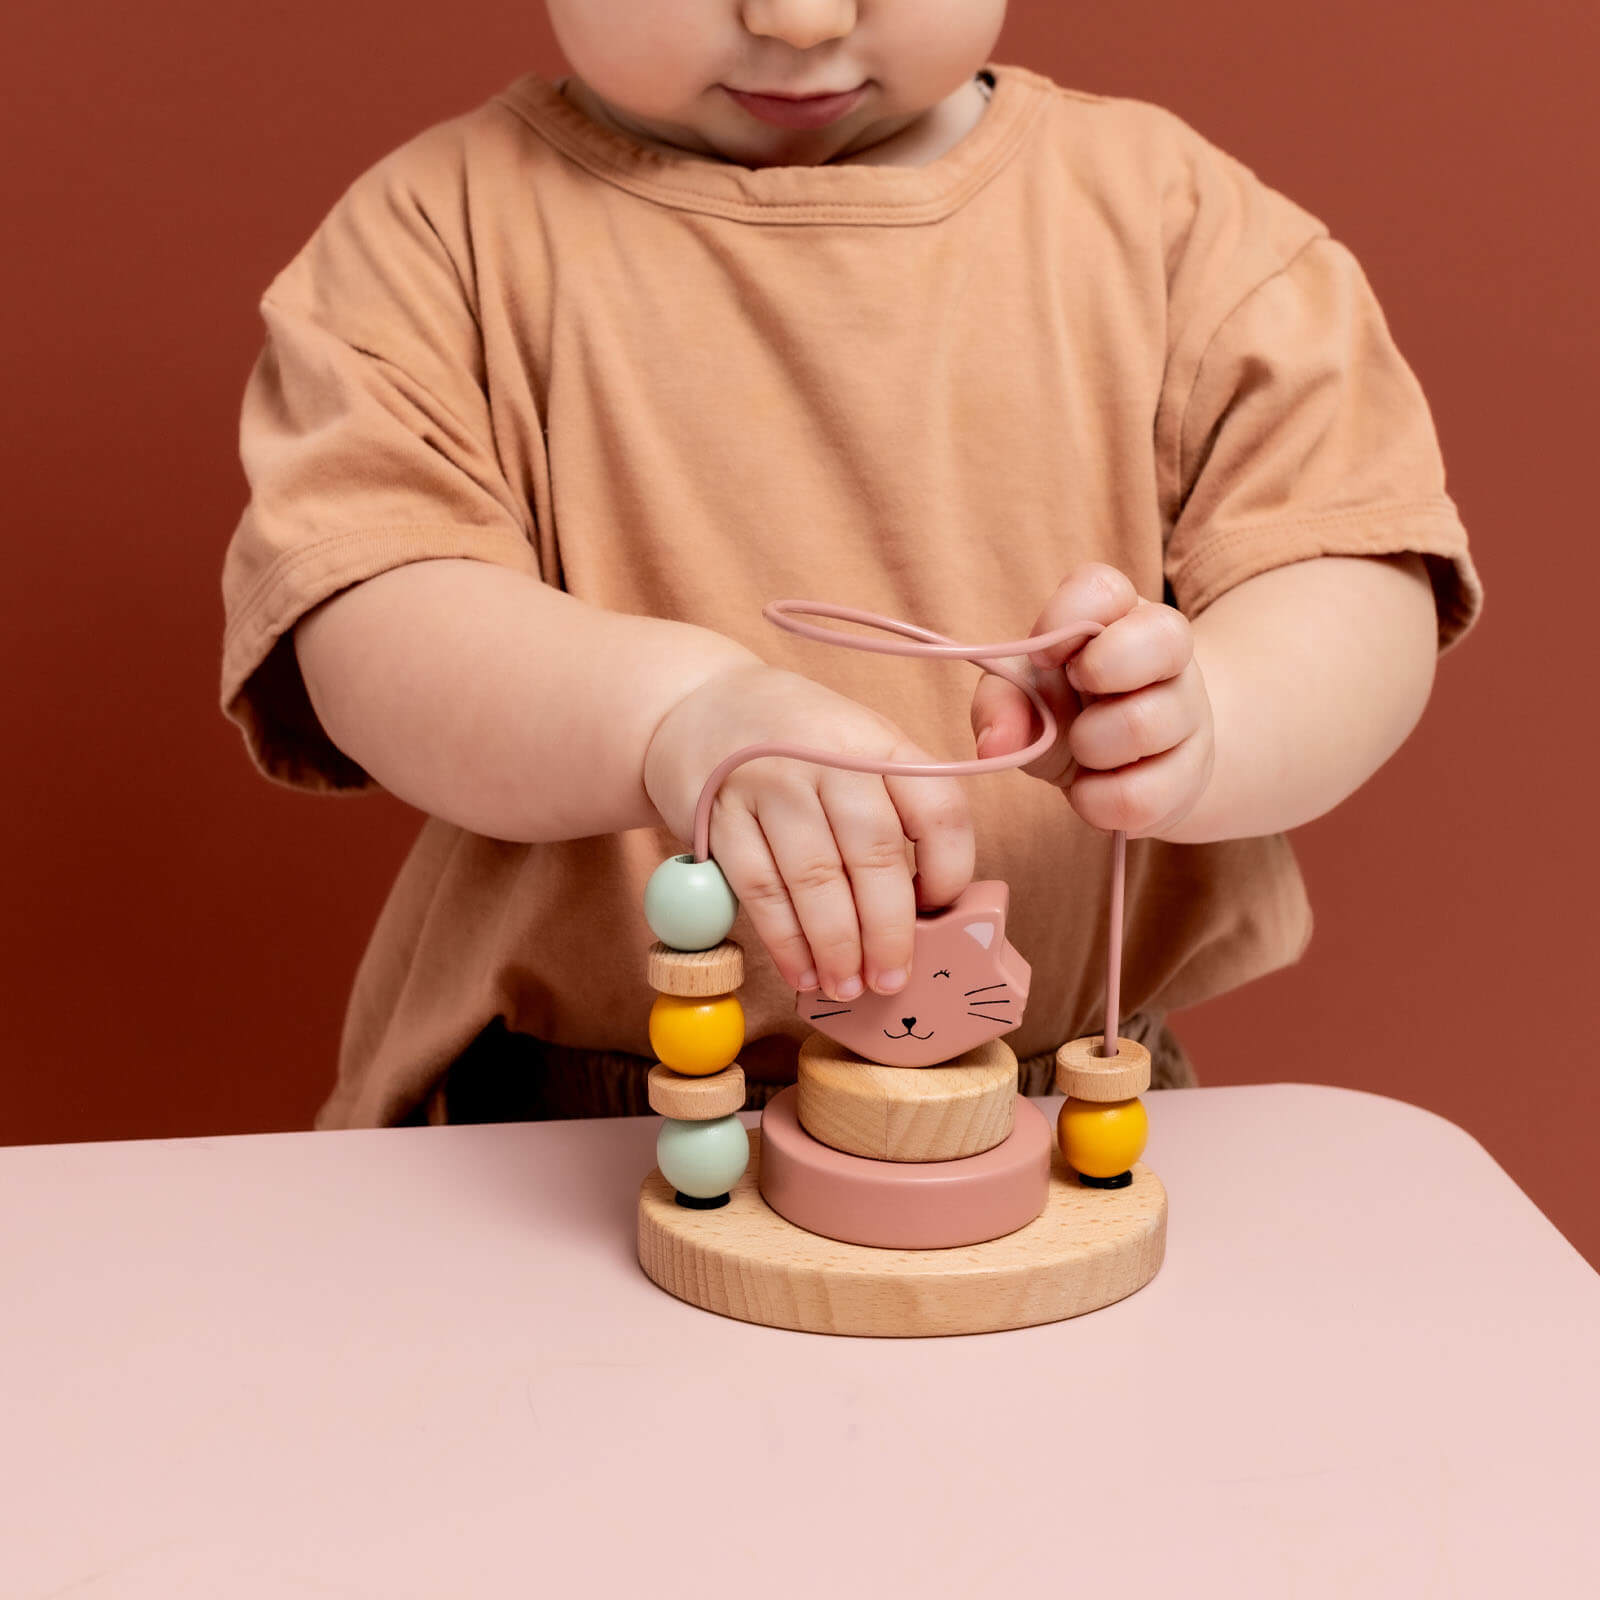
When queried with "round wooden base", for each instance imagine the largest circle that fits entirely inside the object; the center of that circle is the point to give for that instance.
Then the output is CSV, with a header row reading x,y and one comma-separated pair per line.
x,y
1088,1248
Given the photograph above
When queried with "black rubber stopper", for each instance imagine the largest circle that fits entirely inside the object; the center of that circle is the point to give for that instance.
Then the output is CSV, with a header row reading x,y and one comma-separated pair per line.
x,y
692,1203
1121,1181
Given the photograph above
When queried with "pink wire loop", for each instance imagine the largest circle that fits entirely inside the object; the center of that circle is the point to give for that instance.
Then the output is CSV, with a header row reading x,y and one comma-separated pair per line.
x,y
925,643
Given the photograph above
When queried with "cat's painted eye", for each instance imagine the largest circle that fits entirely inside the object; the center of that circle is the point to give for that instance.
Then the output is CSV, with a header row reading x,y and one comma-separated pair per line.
x,y
944,973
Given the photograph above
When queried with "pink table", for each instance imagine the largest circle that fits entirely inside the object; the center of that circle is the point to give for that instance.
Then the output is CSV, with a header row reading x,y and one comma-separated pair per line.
x,y
424,1363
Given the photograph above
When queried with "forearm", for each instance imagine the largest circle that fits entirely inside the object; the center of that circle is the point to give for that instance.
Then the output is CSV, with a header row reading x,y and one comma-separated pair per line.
x,y
497,702
1316,674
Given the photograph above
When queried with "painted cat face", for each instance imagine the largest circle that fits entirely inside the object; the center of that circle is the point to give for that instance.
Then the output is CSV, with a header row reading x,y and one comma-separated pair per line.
x,y
967,986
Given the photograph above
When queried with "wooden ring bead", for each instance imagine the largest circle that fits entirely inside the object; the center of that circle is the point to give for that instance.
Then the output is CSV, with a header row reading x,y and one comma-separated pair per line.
x,y
696,974
696,1099
1086,1075
942,1113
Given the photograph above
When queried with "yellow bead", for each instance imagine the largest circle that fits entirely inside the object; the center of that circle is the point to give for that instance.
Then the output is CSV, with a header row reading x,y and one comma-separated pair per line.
x,y
1102,1141
696,1037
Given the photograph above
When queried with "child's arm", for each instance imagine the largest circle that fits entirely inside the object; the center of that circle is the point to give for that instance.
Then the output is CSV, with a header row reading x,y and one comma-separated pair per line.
x,y
1316,672
1285,695
508,707
500,703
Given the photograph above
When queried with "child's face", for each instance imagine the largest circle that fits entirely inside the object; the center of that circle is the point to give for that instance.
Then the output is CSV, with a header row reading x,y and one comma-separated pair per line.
x,y
673,71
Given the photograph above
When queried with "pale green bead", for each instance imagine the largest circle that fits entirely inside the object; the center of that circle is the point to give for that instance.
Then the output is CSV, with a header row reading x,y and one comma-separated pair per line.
x,y
688,904
703,1159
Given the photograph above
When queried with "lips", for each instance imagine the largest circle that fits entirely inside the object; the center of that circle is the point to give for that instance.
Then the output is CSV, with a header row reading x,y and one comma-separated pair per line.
x,y
798,111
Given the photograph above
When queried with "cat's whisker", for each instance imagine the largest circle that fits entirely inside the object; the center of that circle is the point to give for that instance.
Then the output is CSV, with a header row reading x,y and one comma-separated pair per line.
x,y
985,988
817,1016
999,1000
989,1016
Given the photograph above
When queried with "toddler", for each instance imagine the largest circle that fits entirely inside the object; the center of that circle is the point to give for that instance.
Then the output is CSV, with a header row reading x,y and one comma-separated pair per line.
x,y
805,298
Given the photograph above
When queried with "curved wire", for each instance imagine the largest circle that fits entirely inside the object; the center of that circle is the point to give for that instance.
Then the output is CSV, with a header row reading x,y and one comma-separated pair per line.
x,y
925,643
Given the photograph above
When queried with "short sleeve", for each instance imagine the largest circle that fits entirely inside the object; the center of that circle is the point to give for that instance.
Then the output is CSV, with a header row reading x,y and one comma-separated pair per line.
x,y
1304,434
367,442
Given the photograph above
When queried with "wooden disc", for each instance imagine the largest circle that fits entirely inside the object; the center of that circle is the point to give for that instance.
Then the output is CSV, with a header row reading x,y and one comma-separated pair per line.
x,y
1084,1075
905,1205
1087,1248
696,974
696,1099
907,1113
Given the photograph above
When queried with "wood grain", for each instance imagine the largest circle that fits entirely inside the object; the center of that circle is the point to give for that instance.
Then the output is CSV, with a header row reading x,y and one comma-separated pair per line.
x,y
696,1099
1088,1248
1084,1075
696,974
907,1113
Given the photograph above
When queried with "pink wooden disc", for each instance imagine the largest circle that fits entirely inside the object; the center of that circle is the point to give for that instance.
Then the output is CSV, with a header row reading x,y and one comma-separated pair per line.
x,y
924,1205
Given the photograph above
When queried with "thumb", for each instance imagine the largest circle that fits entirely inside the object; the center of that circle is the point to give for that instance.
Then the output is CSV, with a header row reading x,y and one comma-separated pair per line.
x,y
1002,717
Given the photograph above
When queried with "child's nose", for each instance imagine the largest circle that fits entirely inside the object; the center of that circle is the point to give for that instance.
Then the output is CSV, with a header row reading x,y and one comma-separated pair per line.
x,y
801,23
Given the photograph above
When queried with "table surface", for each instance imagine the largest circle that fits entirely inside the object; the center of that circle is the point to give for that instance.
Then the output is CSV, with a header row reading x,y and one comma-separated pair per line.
x,y
424,1362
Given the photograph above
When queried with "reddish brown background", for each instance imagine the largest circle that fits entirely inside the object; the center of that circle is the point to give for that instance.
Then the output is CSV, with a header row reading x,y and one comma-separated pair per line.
x,y
179,934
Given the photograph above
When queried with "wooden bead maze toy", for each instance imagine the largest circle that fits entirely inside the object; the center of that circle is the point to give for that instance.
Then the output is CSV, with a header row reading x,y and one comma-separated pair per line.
x,y
902,1186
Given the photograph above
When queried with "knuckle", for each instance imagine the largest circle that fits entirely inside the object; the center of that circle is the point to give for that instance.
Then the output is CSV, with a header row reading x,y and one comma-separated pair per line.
x,y
904,750
789,952
836,934
838,951
880,852
812,874
1173,634
852,809
761,891
1139,723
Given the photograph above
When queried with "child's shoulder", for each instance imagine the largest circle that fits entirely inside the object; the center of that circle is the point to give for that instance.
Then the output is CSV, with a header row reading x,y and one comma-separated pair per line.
x,y
418,198
1153,133
445,157
1138,160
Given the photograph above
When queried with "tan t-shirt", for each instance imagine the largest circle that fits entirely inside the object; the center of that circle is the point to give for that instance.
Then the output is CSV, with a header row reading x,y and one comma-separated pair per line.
x,y
682,388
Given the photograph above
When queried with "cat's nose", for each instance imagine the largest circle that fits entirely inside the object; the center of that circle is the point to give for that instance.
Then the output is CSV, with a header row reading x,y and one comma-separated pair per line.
x,y
907,1023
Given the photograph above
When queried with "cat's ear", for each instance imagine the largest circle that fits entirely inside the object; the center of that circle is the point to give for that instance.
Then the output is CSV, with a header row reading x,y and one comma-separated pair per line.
x,y
981,912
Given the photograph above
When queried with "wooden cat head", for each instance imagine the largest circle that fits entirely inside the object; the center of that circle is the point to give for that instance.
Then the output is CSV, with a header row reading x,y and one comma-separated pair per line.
x,y
967,985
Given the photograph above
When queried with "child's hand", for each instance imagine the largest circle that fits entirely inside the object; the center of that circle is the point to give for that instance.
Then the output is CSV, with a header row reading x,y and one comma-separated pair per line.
x,y
816,856
1135,749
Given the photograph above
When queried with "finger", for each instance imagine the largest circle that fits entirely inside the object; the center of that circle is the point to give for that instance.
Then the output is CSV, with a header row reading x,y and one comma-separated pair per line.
x,y
1125,728
935,817
1054,763
800,837
1013,733
740,849
1003,719
1149,645
1140,799
867,829
1094,593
